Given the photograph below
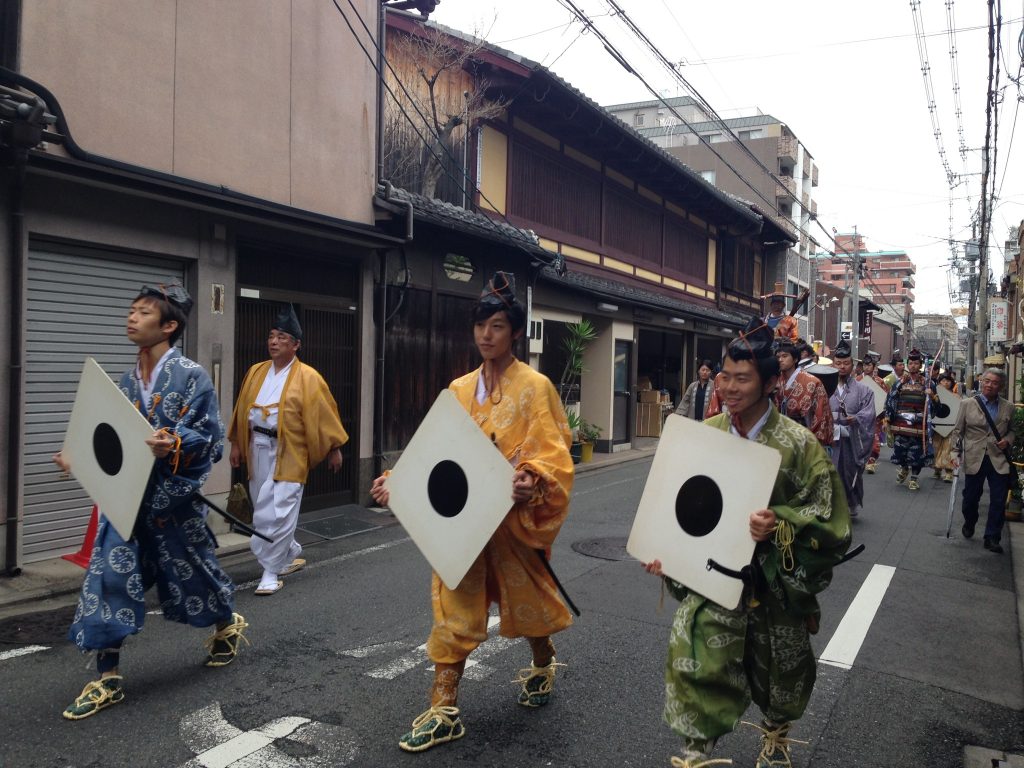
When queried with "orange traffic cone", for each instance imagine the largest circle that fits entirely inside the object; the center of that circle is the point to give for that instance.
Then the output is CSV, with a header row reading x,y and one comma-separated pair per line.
x,y
81,557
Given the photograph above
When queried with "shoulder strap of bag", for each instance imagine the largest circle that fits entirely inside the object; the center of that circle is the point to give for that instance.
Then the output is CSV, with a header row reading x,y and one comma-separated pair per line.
x,y
992,425
988,417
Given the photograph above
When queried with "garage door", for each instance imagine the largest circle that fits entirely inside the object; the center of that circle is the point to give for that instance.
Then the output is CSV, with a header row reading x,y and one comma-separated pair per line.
x,y
77,307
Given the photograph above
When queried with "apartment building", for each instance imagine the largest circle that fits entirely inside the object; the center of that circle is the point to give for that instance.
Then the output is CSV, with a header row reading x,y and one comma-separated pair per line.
x,y
683,129
886,276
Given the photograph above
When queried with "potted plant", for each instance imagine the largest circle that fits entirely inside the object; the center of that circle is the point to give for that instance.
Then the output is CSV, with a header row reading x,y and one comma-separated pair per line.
x,y
572,416
1013,506
589,435
578,337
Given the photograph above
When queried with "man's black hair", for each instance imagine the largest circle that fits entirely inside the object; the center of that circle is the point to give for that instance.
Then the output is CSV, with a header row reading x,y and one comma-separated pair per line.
x,y
169,310
756,344
515,313
500,296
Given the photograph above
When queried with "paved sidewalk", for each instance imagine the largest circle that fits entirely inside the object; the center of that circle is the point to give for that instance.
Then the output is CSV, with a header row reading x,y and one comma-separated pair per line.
x,y
45,584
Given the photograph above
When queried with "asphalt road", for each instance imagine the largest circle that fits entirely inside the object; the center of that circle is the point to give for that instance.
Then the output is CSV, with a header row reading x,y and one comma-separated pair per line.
x,y
335,672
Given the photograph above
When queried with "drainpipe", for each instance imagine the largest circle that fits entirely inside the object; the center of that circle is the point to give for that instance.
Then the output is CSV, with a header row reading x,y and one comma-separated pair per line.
x,y
382,325
14,345
378,404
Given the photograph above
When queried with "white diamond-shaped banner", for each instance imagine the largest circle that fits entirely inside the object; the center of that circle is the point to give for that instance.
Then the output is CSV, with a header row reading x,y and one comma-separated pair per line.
x,y
451,489
696,506
944,415
106,447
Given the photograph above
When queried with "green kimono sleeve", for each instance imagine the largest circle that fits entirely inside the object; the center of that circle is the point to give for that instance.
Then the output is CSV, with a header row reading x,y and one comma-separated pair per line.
x,y
813,532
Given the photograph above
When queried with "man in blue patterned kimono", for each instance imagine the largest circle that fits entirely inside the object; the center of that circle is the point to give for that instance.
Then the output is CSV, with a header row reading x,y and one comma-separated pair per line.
x,y
171,545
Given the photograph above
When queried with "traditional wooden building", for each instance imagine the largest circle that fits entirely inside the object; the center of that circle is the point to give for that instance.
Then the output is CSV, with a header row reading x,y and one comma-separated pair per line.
x,y
665,265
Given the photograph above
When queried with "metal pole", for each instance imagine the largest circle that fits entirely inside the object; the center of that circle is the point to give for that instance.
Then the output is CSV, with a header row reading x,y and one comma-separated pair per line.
x,y
855,330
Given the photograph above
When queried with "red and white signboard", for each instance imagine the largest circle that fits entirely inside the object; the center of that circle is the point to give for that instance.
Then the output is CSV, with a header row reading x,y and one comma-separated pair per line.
x,y
998,320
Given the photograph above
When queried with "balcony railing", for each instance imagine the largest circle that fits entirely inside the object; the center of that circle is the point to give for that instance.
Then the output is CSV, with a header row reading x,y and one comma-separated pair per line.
x,y
788,148
787,188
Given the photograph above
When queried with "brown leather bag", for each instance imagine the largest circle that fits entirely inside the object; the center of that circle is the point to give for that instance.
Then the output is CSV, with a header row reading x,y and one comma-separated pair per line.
x,y
239,503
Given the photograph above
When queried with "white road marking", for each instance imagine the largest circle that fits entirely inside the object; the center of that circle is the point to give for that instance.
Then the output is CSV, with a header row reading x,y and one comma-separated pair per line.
x,y
338,559
576,494
418,655
845,644
23,651
219,744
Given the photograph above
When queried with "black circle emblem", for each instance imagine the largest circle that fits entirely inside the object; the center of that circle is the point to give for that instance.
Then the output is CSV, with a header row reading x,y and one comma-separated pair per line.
x,y
106,446
699,505
941,410
447,488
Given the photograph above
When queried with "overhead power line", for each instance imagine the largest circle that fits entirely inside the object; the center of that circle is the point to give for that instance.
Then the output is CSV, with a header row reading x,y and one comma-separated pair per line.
x,y
614,52
429,145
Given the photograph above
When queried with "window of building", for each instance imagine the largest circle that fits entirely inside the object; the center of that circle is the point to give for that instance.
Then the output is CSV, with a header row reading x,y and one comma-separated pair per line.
x,y
458,267
715,138
708,176
638,119
793,290
754,134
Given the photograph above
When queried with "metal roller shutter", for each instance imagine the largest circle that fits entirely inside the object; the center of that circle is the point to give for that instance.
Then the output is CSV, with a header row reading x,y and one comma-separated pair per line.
x,y
77,307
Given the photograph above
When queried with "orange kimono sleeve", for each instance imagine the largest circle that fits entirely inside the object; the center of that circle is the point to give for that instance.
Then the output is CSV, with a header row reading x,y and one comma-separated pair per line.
x,y
544,452
324,430
821,425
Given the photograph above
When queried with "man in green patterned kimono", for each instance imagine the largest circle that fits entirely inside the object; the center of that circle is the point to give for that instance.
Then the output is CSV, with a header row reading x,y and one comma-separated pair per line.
x,y
722,657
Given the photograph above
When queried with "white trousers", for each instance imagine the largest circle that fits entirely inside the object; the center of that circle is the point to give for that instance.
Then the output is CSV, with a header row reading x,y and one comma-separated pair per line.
x,y
275,510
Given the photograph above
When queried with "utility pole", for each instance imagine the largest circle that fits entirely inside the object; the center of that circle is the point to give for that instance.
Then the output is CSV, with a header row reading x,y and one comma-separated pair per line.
x,y
981,322
972,326
855,331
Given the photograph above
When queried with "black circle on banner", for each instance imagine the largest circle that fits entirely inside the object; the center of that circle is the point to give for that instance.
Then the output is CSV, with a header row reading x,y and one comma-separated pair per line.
x,y
941,410
106,446
699,505
447,488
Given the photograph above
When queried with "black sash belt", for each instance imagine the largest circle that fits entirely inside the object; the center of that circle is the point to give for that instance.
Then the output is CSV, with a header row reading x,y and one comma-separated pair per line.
x,y
747,573
551,573
268,431
243,527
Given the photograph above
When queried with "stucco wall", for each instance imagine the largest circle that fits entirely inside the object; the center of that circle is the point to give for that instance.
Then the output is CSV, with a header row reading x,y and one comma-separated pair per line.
x,y
272,99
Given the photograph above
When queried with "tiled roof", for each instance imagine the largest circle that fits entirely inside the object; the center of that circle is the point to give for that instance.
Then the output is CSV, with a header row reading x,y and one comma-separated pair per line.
x,y
610,289
440,213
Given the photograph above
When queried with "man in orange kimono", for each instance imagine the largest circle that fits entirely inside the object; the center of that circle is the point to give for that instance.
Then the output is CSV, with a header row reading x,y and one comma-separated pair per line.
x,y
518,408
285,422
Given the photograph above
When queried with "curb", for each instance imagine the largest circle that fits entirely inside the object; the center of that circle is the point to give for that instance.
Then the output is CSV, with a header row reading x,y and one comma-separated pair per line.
x,y
60,579
614,460
1015,531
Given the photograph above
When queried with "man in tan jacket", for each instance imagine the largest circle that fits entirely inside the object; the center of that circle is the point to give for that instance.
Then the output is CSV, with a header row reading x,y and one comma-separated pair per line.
x,y
983,457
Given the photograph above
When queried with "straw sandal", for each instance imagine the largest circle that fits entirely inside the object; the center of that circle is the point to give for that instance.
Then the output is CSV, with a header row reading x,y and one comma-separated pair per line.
x,y
435,726
222,645
537,684
97,695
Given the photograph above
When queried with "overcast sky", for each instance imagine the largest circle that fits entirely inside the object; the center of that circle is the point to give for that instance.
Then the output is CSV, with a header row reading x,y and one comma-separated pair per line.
x,y
845,77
